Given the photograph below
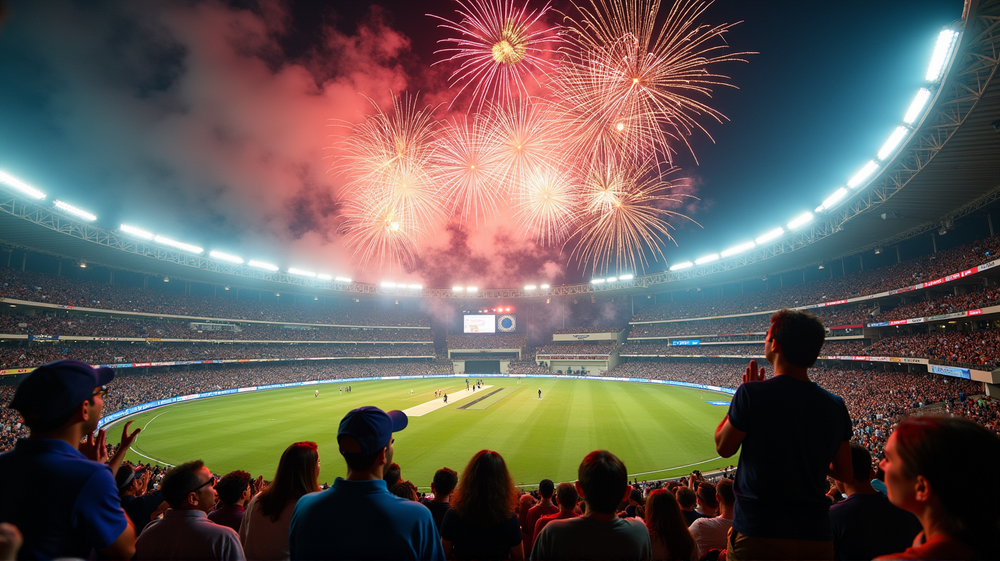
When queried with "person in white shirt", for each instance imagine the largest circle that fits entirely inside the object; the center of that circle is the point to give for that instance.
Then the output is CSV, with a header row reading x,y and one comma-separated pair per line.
x,y
712,533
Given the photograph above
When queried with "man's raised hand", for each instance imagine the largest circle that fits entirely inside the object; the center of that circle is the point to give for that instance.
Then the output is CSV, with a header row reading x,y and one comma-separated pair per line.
x,y
753,374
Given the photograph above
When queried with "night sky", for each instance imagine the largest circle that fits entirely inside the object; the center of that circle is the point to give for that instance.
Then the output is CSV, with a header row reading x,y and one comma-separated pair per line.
x,y
210,122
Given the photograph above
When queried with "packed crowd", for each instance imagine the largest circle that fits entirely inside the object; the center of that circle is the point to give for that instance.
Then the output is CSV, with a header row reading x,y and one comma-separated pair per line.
x,y
980,298
831,317
104,326
566,347
663,348
39,287
592,329
34,354
978,348
487,341
526,367
899,275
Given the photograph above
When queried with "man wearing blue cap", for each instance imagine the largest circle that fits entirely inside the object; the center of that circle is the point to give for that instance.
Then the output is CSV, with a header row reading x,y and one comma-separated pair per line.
x,y
64,504
358,518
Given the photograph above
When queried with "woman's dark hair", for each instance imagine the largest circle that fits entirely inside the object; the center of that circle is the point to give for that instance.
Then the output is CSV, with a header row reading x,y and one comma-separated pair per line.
x,y
666,523
298,471
486,494
942,449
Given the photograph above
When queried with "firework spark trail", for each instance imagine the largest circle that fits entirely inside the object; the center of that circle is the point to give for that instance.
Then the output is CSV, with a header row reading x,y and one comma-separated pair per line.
x,y
627,82
527,142
623,217
545,206
467,162
497,48
376,231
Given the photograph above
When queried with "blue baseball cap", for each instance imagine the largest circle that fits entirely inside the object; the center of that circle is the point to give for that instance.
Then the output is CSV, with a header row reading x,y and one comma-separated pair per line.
x,y
371,427
52,391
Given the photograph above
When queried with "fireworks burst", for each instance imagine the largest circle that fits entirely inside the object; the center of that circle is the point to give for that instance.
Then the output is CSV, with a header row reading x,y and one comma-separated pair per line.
x,y
467,163
526,142
545,206
630,85
497,48
624,219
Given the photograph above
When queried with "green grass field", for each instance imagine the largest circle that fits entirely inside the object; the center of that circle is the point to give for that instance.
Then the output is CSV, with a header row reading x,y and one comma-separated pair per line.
x,y
658,431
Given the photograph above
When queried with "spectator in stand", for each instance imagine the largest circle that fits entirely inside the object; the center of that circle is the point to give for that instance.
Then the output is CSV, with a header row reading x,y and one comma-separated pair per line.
x,y
686,499
793,433
64,503
566,497
358,518
923,462
708,503
482,521
140,505
598,533
712,533
546,488
234,492
668,529
404,489
445,480
393,474
866,524
264,528
185,532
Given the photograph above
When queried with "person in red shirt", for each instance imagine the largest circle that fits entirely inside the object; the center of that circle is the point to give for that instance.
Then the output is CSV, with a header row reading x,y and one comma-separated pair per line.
x,y
567,497
546,488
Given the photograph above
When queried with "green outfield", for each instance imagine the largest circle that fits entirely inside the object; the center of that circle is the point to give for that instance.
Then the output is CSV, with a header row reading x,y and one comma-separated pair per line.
x,y
658,431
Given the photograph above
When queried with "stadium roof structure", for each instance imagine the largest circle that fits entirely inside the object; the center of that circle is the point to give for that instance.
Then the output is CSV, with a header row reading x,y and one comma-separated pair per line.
x,y
947,167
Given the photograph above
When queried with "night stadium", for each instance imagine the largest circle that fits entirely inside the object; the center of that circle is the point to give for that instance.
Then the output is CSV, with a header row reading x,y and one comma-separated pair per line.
x,y
530,230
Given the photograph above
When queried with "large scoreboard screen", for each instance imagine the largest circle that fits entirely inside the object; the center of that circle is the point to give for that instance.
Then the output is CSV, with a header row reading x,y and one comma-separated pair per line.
x,y
486,323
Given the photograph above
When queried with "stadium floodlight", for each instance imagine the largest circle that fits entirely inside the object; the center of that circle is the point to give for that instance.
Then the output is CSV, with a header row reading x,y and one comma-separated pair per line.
x,y
863,174
626,277
706,259
21,186
745,246
225,257
892,143
77,212
832,199
596,281
800,220
388,285
770,235
324,276
137,232
530,287
416,287
946,40
917,106
343,279
301,272
457,289
680,266
262,265
471,289
612,279
545,287
179,245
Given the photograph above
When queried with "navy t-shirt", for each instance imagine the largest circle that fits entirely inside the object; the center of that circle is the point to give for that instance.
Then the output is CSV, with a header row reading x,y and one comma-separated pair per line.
x,y
469,541
794,429
868,525
64,504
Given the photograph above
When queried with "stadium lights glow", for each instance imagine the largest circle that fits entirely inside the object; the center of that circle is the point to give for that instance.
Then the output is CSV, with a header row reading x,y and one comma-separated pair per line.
x,y
864,174
892,143
800,220
917,106
137,232
612,279
545,287
530,287
388,285
21,186
626,277
324,276
301,272
770,235
179,245
706,259
832,199
226,257
596,281
262,265
77,212
680,266
457,289
342,279
471,289
946,39
415,287
737,249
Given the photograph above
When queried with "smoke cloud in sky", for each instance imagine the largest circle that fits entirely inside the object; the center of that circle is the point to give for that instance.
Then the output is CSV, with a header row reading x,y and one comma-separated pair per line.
x,y
192,120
